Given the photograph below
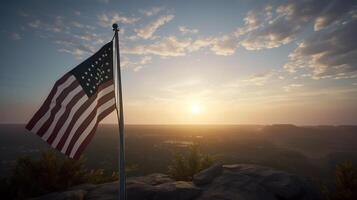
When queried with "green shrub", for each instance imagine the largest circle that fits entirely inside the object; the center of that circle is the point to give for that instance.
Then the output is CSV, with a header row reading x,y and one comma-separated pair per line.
x,y
48,174
184,166
346,183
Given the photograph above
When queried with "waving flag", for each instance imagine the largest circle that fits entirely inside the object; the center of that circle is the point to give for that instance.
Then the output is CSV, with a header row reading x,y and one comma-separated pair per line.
x,y
78,101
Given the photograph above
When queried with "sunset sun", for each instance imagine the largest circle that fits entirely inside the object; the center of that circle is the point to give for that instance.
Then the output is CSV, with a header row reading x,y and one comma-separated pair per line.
x,y
195,109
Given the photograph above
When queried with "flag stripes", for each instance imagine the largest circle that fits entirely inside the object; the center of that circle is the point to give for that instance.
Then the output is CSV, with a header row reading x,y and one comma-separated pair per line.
x,y
78,101
68,118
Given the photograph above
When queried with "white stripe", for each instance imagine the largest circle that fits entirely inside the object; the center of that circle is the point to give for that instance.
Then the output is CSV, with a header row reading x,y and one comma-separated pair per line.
x,y
90,127
84,116
45,117
74,109
60,112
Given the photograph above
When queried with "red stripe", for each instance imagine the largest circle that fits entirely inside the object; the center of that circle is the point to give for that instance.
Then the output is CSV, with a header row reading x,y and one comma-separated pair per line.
x,y
88,120
79,112
57,107
64,116
45,106
86,141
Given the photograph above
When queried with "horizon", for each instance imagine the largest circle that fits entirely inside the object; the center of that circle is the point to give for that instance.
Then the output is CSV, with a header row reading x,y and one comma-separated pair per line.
x,y
210,124
197,63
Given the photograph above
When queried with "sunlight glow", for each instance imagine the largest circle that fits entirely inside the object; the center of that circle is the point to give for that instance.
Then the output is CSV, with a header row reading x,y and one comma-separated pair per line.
x,y
195,109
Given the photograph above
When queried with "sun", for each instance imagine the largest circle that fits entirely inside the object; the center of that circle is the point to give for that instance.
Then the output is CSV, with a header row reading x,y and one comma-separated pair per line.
x,y
195,109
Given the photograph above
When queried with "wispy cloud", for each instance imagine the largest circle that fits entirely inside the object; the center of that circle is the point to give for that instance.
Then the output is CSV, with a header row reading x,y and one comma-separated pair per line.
x,y
106,20
168,46
151,11
185,30
136,65
225,45
291,87
15,36
259,79
147,31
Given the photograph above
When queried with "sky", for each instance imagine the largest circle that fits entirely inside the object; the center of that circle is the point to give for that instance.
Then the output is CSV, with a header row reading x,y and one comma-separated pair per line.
x,y
191,62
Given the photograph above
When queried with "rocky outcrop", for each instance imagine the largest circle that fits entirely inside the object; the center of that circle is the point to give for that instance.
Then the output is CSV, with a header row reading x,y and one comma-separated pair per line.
x,y
206,176
227,182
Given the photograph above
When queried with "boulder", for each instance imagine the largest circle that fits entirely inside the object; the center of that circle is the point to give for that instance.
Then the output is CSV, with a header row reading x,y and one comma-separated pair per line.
x,y
152,179
179,190
147,188
206,176
227,182
252,182
67,195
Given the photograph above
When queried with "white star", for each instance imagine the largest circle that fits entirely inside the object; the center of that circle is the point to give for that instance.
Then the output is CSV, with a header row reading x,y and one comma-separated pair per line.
x,y
99,59
82,77
92,65
88,79
90,91
87,84
106,63
108,70
89,69
96,78
91,75
106,76
96,62
85,73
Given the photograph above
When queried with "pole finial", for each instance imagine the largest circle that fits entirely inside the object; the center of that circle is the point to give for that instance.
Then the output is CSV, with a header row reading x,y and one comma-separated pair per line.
x,y
115,27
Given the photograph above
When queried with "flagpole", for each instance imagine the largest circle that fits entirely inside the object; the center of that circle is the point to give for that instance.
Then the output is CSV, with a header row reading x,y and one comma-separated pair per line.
x,y
120,114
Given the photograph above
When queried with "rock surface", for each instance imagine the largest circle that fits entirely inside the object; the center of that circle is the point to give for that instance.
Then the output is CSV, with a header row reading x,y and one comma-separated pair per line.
x,y
206,176
227,182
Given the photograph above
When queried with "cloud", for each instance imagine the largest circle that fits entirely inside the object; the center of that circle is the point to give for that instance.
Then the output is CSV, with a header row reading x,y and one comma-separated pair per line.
x,y
168,46
258,79
267,29
15,36
184,30
106,20
75,47
172,46
225,45
148,31
291,87
136,66
329,53
151,11
34,24
200,43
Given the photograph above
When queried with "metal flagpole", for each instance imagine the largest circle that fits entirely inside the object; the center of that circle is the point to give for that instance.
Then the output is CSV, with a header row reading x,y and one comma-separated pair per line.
x,y
122,177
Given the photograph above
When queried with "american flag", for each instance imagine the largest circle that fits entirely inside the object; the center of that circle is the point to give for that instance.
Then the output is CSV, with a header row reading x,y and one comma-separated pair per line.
x,y
78,101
